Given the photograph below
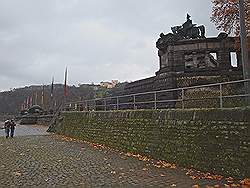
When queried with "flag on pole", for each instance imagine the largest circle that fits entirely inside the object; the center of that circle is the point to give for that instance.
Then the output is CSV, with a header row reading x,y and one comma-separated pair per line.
x,y
36,97
52,88
24,105
30,102
27,102
42,101
65,83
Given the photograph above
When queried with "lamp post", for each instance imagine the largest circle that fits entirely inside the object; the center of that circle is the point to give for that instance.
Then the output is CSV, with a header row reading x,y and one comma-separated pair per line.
x,y
244,51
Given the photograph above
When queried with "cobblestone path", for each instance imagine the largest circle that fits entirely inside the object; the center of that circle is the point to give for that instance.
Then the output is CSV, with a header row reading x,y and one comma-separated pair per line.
x,y
53,161
24,130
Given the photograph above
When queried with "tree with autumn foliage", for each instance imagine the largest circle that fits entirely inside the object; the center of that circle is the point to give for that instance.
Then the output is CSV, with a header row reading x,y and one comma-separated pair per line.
x,y
225,15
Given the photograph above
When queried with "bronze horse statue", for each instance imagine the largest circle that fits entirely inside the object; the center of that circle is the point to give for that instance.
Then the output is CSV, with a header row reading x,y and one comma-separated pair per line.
x,y
188,30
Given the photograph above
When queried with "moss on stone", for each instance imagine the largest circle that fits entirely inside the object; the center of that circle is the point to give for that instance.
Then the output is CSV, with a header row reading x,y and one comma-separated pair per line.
x,y
214,140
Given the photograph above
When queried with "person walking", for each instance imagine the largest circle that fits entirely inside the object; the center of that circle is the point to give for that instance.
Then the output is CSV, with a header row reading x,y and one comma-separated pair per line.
x,y
12,128
7,128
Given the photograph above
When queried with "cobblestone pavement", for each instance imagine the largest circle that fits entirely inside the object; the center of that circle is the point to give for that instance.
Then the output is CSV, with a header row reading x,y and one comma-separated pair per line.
x,y
25,130
54,161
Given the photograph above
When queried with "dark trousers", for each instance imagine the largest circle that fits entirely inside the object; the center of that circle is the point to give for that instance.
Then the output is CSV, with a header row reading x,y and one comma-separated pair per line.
x,y
7,131
12,132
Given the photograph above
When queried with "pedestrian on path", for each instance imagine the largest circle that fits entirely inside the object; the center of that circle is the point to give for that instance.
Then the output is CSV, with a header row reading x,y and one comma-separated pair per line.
x,y
12,128
7,128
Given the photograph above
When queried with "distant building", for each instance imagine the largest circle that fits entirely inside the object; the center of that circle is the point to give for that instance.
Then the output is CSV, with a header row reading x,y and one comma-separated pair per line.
x,y
109,85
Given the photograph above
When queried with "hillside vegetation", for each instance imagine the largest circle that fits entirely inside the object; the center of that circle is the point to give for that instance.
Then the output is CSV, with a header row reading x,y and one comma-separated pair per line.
x,y
11,101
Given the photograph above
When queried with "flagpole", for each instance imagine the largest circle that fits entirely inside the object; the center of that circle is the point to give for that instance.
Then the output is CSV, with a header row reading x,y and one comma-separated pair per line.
x,y
36,98
42,100
65,87
52,95
27,103
31,100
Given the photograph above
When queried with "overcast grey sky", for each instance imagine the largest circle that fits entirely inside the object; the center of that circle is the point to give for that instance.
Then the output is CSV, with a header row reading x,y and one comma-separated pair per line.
x,y
98,40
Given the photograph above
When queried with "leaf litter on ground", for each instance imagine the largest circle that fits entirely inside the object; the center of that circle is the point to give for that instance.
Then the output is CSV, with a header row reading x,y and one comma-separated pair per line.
x,y
192,173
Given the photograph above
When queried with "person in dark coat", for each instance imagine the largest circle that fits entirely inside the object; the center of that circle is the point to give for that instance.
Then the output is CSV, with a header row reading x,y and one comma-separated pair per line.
x,y
7,128
12,128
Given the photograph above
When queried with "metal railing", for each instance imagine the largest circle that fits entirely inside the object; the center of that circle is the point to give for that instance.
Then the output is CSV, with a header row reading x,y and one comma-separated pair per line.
x,y
218,95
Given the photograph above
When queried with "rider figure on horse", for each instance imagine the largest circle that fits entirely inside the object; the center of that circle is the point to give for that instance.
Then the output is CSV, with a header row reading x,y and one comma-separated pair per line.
x,y
188,30
188,24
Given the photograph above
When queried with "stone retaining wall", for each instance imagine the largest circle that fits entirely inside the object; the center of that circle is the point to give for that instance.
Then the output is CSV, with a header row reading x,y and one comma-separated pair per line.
x,y
210,140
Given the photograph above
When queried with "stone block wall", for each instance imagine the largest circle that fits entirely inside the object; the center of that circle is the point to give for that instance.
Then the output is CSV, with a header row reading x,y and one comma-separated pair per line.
x,y
213,140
